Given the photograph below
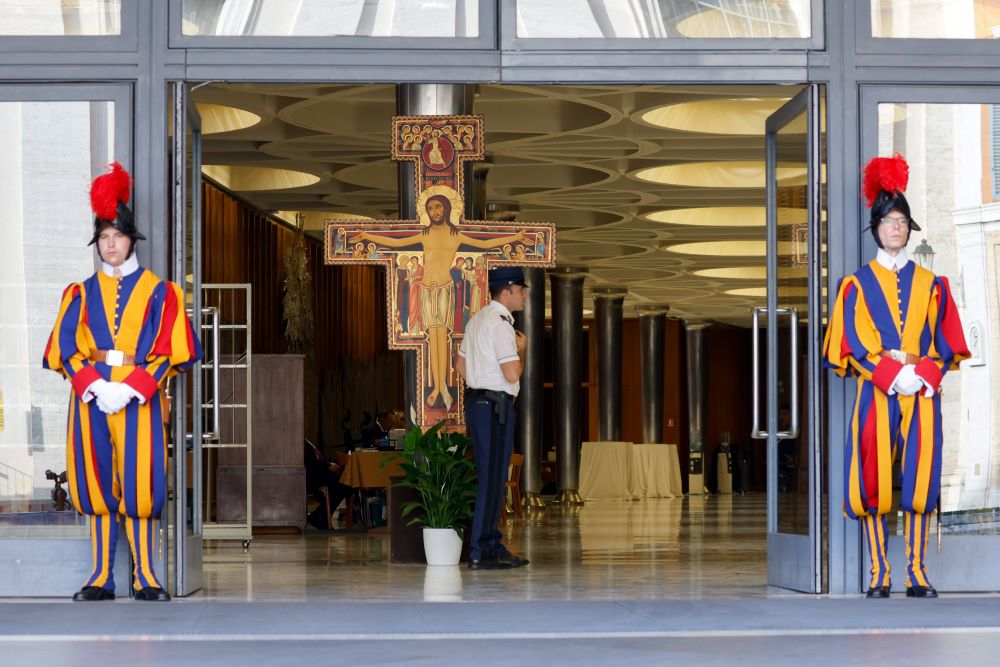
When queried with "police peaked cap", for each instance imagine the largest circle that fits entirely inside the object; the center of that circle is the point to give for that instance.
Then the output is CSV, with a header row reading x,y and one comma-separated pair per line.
x,y
507,275
109,195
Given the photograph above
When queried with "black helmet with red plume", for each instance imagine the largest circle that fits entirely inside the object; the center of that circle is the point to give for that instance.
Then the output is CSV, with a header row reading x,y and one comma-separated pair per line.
x,y
109,195
883,184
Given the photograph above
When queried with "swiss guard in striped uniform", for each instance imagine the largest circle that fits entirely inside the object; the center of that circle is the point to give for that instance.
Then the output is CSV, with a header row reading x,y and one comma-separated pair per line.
x,y
896,328
119,335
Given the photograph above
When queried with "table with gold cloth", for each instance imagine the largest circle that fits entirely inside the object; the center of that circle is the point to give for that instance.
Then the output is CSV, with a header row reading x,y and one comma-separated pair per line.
x,y
364,469
627,471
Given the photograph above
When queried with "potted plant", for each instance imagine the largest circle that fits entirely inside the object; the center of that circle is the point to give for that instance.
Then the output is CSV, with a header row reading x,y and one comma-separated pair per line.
x,y
437,466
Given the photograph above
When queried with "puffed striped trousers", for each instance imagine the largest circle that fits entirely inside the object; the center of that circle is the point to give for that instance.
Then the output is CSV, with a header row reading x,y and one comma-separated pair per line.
x,y
116,471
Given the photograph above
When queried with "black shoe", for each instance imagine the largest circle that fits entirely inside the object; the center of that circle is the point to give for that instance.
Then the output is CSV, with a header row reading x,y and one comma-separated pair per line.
x,y
879,592
921,592
93,594
152,594
489,564
514,561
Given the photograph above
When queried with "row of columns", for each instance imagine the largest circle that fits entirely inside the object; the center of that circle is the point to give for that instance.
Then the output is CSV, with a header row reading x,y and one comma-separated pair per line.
x,y
567,333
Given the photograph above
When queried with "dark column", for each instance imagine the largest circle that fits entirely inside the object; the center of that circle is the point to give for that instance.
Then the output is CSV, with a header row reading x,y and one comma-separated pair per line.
x,y
608,328
697,401
652,328
567,336
531,321
427,99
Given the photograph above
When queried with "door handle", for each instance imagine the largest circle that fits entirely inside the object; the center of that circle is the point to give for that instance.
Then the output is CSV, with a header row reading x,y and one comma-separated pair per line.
x,y
756,433
214,434
793,314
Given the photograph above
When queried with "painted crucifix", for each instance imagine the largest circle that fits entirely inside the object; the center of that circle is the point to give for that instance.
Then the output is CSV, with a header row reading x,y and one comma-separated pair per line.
x,y
438,264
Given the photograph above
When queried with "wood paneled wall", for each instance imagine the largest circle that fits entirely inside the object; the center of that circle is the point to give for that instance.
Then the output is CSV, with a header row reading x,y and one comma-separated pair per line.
x,y
351,366
242,245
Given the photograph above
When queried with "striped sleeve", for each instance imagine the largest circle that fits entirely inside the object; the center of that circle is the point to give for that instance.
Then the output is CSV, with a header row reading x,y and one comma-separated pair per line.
x,y
947,339
68,349
853,343
174,348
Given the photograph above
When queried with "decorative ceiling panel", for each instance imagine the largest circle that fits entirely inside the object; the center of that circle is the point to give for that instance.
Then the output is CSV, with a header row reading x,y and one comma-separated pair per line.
x,y
565,154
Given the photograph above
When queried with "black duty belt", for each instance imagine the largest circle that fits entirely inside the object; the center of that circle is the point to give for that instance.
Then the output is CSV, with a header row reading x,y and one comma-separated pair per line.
x,y
500,400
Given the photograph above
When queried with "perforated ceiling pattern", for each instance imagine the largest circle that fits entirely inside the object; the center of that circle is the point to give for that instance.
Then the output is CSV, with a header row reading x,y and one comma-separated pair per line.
x,y
565,154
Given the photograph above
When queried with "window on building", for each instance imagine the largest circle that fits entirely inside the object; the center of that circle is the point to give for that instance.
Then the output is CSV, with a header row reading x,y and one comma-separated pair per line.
x,y
322,18
67,18
935,19
49,152
692,19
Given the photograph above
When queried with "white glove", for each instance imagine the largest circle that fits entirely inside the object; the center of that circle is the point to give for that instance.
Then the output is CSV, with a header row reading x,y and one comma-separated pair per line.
x,y
95,388
907,382
113,397
134,394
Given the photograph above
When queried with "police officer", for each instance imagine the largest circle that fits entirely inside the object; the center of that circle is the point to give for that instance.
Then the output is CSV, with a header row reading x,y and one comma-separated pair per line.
x,y
491,360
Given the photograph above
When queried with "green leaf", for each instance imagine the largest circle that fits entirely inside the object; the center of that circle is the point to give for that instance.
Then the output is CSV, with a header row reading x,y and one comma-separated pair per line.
x,y
444,480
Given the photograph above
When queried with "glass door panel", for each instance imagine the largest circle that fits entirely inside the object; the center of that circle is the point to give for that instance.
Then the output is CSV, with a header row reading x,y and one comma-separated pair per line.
x,y
188,412
953,152
56,139
794,267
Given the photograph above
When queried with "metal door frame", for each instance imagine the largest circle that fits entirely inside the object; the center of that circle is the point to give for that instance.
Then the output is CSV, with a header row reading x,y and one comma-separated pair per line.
x,y
969,556
57,566
794,561
186,549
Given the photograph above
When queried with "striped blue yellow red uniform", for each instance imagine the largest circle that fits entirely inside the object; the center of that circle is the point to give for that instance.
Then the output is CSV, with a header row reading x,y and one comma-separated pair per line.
x,y
912,310
116,464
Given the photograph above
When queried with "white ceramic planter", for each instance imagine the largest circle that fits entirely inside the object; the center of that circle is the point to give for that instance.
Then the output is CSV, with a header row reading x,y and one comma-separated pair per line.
x,y
442,546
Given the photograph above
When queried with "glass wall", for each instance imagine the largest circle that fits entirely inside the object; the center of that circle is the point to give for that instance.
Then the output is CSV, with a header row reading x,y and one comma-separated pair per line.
x,y
692,19
953,156
320,18
70,18
49,152
936,19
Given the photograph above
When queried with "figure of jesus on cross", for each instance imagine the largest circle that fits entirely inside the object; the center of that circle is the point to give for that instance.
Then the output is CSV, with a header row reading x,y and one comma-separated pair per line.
x,y
433,287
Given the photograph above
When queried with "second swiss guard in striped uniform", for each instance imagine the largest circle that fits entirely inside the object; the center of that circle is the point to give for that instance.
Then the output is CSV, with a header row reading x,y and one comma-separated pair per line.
x,y
119,335
896,328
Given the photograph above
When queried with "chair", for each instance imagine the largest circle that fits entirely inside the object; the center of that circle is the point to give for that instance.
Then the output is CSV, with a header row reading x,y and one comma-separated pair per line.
x,y
512,490
342,460
329,514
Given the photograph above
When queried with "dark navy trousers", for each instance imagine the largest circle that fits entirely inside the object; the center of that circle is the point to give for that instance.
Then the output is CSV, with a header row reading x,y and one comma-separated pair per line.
x,y
492,443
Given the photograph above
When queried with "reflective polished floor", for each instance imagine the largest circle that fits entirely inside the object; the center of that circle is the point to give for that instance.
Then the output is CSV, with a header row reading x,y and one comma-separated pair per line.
x,y
614,583
662,548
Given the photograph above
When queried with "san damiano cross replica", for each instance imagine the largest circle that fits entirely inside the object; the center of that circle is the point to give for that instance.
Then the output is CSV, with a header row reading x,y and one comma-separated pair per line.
x,y
438,265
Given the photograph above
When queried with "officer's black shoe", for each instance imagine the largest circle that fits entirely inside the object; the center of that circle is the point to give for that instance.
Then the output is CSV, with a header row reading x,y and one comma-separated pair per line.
x,y
93,594
505,556
489,564
878,592
152,594
921,592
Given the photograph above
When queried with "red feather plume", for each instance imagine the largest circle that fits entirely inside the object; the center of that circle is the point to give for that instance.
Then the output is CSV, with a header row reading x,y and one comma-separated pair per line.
x,y
107,190
885,173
